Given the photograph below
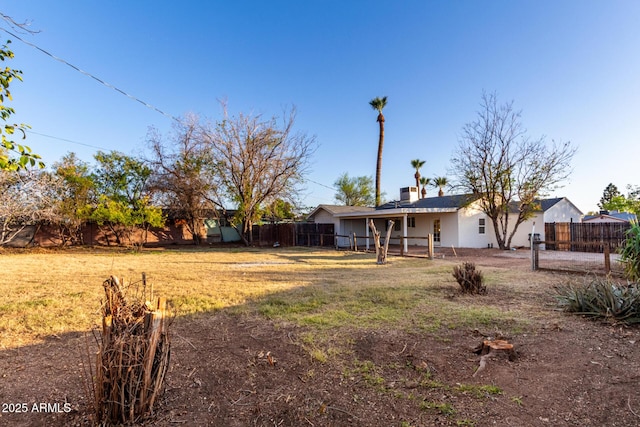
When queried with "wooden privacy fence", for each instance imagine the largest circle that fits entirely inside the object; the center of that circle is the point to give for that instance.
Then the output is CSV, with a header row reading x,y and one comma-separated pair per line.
x,y
585,236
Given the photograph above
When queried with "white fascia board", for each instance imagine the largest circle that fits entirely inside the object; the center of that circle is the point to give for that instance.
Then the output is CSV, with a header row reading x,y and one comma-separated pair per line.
x,y
394,212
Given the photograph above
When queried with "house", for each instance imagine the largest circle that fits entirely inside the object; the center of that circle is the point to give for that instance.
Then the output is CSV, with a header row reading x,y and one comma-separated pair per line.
x,y
455,220
329,214
611,216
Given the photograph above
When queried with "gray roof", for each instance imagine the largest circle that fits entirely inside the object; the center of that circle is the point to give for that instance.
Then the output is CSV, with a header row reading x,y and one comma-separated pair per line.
x,y
458,201
440,202
620,216
338,209
546,204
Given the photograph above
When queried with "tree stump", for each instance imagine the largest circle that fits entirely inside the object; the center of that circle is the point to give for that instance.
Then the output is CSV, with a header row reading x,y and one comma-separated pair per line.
x,y
381,251
490,348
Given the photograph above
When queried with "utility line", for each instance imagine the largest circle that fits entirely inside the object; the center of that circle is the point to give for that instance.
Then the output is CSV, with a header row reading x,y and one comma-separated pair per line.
x,y
321,185
92,76
67,140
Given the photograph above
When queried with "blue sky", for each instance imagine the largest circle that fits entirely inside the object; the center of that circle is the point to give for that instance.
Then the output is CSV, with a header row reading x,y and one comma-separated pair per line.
x,y
572,67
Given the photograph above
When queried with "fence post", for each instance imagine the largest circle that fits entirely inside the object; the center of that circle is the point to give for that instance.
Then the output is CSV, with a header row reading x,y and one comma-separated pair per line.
x,y
355,242
321,240
430,245
535,254
607,258
401,245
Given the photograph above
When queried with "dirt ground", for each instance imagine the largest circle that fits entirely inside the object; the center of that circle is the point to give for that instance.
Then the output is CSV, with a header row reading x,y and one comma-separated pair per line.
x,y
231,370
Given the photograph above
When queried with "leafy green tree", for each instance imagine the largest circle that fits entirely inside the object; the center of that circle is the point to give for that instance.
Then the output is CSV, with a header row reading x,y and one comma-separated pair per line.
x,y
378,104
74,198
356,191
279,210
613,200
123,202
13,156
608,194
617,203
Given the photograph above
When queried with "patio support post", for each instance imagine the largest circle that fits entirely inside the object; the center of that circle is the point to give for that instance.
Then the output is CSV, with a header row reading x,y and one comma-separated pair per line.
x,y
366,228
404,233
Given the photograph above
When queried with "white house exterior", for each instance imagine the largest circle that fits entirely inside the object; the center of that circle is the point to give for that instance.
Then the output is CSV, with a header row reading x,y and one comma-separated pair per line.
x,y
329,214
454,220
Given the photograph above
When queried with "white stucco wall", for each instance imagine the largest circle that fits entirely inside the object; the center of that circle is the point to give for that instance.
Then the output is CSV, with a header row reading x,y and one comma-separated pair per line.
x,y
324,217
563,211
521,238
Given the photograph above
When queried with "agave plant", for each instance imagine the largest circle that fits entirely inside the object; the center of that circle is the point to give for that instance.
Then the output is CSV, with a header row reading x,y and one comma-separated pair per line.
x,y
602,298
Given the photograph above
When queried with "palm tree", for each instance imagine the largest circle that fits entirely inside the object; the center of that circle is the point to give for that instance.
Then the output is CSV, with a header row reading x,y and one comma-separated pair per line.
x,y
424,181
378,104
440,182
417,164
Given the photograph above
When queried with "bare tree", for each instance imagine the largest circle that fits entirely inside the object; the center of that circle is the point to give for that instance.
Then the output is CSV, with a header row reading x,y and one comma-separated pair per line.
x,y
508,170
257,161
182,177
28,200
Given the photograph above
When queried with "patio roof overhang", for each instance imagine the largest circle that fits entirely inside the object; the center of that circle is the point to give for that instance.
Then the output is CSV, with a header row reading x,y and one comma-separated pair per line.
x,y
390,213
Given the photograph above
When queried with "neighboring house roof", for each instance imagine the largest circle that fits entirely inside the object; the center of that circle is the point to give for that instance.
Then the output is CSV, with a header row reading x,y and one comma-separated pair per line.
x,y
612,216
339,209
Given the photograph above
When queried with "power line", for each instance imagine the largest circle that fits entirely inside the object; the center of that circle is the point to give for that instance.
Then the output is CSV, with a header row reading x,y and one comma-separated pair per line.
x,y
67,140
92,76
321,185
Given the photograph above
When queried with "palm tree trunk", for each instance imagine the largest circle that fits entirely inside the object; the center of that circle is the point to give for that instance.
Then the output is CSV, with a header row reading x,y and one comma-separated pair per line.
x,y
379,163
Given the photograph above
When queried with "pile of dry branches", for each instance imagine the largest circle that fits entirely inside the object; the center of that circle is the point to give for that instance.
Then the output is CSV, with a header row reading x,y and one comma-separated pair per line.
x,y
133,356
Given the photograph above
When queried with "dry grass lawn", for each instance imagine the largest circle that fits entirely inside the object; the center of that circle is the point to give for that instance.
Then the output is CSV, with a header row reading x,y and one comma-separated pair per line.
x,y
46,293
354,343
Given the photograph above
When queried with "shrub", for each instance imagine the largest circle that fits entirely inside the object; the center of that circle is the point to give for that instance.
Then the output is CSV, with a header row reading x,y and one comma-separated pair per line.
x,y
602,298
630,253
469,279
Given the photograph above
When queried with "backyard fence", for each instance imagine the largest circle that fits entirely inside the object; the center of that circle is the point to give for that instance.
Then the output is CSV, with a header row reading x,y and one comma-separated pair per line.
x,y
581,247
596,257
584,236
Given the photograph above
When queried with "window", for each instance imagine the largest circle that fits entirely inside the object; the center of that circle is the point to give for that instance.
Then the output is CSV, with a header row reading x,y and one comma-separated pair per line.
x,y
397,225
481,223
411,222
436,230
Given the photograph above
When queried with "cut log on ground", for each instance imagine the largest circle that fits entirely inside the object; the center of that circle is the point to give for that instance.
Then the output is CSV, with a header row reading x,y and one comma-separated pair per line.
x,y
490,348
